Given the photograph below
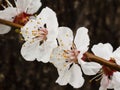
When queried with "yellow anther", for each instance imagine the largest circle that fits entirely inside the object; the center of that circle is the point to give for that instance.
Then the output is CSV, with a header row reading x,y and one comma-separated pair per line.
x,y
64,55
38,22
60,40
26,28
67,35
62,44
26,32
51,56
64,65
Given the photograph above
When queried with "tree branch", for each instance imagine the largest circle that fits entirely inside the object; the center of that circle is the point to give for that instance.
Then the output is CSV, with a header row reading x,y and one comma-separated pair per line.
x,y
90,56
102,61
2,21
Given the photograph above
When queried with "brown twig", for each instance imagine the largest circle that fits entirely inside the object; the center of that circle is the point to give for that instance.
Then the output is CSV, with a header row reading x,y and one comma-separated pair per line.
x,y
90,56
9,23
102,61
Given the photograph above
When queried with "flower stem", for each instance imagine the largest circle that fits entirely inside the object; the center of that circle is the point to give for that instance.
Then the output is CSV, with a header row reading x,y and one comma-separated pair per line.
x,y
102,61
90,56
2,21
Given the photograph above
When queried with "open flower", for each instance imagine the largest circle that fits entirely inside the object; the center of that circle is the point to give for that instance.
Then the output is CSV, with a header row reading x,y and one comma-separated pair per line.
x,y
40,36
68,57
110,77
19,14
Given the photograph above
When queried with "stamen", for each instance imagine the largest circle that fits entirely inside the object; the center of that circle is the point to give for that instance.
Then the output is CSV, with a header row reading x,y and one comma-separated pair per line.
x,y
8,3
98,79
100,71
3,6
16,6
73,46
40,34
71,55
66,51
95,77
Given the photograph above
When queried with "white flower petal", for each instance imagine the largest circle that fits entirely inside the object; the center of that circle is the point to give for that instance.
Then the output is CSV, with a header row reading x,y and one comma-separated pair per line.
x,y
22,5
102,88
116,80
8,13
103,50
57,58
90,68
76,79
64,76
4,29
65,37
47,46
30,50
45,50
104,83
116,55
27,30
48,17
82,39
34,6
68,73
111,84
59,61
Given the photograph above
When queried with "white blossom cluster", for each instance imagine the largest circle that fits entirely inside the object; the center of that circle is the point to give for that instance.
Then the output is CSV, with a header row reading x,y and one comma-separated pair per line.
x,y
47,42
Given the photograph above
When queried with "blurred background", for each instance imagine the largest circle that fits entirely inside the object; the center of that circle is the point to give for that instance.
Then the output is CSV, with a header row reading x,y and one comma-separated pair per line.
x,y
101,17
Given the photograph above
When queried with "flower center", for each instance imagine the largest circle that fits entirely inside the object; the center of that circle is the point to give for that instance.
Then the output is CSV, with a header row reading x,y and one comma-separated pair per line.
x,y
40,34
107,70
22,18
71,55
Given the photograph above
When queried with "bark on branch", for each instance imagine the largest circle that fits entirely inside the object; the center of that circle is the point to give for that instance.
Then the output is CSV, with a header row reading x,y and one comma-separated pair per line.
x,y
90,56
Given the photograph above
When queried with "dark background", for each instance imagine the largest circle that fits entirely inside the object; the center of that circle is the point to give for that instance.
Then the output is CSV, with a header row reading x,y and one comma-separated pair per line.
x,y
101,17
